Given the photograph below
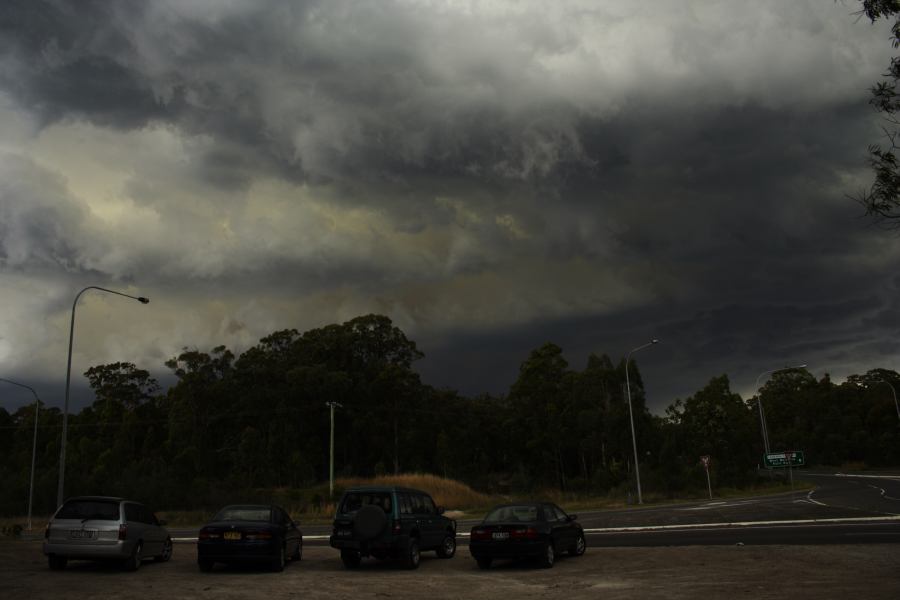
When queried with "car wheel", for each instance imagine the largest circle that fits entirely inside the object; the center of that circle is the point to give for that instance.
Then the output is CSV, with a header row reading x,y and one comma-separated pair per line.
x,y
298,553
579,547
412,556
549,556
279,561
350,558
133,562
205,564
166,553
484,563
448,547
57,563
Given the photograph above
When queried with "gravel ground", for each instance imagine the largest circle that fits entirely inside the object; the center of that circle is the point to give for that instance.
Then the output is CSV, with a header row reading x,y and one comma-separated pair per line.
x,y
708,572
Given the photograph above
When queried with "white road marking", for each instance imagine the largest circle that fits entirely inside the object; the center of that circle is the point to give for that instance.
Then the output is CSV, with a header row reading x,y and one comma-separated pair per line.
x,y
745,524
894,477
810,498
674,527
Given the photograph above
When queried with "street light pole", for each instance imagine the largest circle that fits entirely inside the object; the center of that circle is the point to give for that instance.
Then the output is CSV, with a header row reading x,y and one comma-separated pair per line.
x,y
332,405
637,469
894,391
37,408
62,449
762,418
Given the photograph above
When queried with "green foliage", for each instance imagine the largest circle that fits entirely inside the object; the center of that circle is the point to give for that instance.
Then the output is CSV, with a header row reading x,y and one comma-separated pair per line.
x,y
256,427
882,200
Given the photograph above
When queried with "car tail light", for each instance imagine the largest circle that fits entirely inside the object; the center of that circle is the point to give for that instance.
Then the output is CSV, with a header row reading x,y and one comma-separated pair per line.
x,y
123,531
524,533
395,529
208,534
480,534
258,535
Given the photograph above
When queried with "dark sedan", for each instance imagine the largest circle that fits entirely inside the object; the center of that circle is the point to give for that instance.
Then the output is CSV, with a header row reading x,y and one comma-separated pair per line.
x,y
538,530
249,533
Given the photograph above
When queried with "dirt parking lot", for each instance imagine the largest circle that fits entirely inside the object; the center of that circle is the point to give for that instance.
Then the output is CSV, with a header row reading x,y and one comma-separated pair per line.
x,y
708,572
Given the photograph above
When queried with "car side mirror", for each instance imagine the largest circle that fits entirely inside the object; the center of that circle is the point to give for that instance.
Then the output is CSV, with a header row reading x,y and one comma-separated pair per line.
x,y
571,517
440,510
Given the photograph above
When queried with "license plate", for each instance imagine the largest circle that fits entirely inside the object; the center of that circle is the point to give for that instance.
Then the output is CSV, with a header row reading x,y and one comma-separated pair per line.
x,y
232,535
500,535
79,534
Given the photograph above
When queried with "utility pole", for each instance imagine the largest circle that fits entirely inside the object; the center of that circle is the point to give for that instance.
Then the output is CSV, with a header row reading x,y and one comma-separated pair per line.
x,y
332,405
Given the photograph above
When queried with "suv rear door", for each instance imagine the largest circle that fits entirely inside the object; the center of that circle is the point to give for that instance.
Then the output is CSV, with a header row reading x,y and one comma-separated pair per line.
x,y
430,524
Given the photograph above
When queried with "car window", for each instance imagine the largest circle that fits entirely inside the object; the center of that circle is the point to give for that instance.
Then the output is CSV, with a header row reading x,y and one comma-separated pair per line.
x,y
405,504
145,516
353,501
244,513
428,505
132,513
523,513
101,510
561,514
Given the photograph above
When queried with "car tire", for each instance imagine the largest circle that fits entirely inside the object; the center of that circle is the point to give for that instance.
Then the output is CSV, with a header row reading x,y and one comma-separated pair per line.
x,y
205,564
369,522
57,563
298,553
166,553
579,547
447,549
549,556
280,559
484,563
350,558
412,555
133,562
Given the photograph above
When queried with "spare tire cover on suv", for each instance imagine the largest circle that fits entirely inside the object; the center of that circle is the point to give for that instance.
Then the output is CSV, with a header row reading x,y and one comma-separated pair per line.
x,y
369,522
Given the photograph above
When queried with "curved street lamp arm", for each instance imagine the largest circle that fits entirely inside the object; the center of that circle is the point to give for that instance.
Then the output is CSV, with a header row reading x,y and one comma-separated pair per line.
x,y
62,449
762,418
893,391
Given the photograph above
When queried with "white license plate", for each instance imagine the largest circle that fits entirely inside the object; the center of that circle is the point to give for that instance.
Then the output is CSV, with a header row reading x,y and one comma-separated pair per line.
x,y
500,535
82,534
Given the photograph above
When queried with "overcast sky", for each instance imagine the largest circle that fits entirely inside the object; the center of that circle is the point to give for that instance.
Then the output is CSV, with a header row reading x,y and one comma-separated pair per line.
x,y
491,175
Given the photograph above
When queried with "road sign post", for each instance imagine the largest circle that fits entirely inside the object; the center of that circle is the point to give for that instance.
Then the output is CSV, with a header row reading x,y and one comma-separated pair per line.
x,y
790,455
704,460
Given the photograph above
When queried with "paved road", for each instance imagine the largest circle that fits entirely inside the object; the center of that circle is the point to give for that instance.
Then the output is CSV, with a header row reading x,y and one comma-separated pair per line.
x,y
842,508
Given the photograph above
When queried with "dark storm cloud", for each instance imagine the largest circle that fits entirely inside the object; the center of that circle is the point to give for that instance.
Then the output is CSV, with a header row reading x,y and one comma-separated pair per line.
x,y
70,60
600,173
37,219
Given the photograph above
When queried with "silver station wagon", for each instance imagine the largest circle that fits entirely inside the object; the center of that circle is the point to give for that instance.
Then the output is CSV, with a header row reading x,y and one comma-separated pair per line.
x,y
104,528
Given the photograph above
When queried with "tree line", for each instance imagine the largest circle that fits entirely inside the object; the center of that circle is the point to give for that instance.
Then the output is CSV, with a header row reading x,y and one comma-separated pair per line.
x,y
235,427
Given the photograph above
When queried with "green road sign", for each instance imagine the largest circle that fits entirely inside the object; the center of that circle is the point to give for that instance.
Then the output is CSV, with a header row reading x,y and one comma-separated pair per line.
x,y
788,458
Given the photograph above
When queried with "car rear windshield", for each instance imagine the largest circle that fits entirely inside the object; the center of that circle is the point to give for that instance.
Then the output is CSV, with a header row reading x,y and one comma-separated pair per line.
x,y
245,513
97,510
353,501
510,514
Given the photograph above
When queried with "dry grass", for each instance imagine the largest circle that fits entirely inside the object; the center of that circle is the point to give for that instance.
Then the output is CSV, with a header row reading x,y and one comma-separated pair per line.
x,y
449,493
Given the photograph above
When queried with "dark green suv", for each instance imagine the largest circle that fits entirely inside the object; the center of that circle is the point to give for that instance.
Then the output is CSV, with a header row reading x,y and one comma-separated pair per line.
x,y
391,522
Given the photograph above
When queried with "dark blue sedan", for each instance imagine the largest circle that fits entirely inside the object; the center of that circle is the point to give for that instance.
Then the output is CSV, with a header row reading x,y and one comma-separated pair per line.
x,y
249,533
537,530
